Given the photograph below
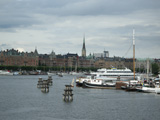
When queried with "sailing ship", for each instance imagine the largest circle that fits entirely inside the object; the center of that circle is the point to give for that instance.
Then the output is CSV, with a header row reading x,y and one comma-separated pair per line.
x,y
129,87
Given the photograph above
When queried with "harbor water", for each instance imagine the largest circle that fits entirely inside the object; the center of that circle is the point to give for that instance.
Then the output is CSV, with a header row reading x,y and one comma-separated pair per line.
x,y
20,99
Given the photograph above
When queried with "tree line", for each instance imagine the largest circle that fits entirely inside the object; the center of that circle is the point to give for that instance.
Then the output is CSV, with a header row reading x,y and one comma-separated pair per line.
x,y
155,68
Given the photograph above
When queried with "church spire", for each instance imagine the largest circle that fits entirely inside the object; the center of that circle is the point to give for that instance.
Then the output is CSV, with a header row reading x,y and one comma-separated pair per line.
x,y
36,52
84,48
84,42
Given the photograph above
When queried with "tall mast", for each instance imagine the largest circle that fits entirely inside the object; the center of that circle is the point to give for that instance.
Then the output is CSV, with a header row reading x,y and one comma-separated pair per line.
x,y
134,53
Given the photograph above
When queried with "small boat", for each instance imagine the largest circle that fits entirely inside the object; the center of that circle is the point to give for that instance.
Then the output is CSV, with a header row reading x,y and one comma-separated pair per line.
x,y
80,80
16,73
5,72
148,89
133,85
131,88
76,73
72,84
157,88
51,73
33,73
98,83
60,75
123,87
139,88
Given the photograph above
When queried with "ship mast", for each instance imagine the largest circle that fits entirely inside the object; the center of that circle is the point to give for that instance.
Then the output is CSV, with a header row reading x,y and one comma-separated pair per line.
x,y
134,53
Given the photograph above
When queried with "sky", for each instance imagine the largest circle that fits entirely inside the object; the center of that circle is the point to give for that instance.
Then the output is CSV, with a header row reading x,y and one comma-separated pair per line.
x,y
60,25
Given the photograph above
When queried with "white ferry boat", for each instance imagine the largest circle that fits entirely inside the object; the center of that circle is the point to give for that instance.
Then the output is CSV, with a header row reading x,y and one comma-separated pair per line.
x,y
113,74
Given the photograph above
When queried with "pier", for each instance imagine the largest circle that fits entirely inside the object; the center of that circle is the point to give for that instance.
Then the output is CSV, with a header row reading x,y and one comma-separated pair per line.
x,y
40,82
44,84
68,96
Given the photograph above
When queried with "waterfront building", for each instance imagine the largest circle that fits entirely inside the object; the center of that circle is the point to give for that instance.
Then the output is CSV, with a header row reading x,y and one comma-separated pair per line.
x,y
116,62
98,55
105,54
71,60
15,58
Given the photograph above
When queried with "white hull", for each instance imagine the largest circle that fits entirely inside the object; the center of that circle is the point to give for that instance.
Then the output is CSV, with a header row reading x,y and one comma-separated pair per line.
x,y
114,78
63,73
157,90
75,73
79,81
5,73
114,74
51,74
148,90
98,84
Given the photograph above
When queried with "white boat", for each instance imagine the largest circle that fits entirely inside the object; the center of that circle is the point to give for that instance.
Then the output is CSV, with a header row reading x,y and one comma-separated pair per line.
x,y
148,89
51,73
16,73
5,72
80,80
98,83
75,73
113,74
72,84
62,73
157,88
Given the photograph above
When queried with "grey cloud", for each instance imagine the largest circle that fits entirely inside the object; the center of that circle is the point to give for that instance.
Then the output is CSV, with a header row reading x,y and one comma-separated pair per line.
x,y
21,13
5,46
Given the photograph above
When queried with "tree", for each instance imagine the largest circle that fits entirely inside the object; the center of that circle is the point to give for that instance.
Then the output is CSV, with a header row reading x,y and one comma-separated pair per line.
x,y
155,68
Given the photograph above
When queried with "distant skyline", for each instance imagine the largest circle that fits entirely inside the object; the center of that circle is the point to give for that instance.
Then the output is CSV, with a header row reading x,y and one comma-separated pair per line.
x,y
60,25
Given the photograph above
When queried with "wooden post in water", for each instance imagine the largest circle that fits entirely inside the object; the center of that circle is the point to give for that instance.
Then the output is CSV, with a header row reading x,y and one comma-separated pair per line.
x,y
68,96
40,82
50,80
45,86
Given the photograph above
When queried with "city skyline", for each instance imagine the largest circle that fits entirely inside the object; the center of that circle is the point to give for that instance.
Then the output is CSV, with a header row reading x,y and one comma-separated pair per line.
x,y
60,25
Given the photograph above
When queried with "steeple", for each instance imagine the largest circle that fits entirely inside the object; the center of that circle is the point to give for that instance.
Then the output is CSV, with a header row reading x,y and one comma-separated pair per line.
x,y
36,52
84,48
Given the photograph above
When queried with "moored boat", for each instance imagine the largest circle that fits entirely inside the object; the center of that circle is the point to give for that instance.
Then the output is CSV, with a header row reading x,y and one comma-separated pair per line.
x,y
80,80
98,83
148,89
157,88
113,74
51,73
5,72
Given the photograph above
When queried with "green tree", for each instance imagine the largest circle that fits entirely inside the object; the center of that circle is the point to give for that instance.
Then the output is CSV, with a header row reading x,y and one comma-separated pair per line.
x,y
155,68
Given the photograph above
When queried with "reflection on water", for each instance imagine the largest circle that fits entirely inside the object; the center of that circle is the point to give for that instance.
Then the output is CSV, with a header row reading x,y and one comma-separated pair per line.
x,y
20,99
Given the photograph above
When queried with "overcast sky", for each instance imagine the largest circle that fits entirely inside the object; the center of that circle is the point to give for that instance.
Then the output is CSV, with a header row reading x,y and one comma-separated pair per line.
x,y
60,25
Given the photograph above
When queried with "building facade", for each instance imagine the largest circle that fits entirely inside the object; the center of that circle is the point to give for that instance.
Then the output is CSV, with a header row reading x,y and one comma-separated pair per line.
x,y
15,58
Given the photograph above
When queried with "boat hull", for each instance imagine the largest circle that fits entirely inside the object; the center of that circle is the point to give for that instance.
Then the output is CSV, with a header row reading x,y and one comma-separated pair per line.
x,y
90,85
148,90
5,72
157,90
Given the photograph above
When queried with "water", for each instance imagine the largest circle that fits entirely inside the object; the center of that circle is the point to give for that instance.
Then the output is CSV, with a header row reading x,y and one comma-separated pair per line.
x,y
20,99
